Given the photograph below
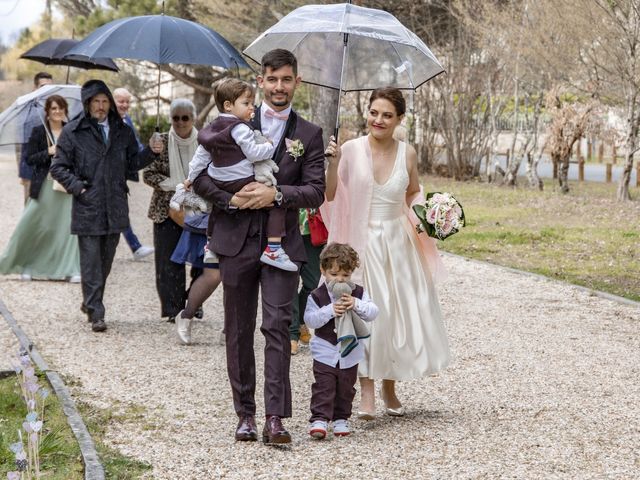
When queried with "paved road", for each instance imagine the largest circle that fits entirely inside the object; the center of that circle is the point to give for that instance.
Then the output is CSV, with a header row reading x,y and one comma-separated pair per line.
x,y
593,172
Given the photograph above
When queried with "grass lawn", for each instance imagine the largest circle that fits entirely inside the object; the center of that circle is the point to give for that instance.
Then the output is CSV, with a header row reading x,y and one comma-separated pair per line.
x,y
584,237
60,455
59,452
116,465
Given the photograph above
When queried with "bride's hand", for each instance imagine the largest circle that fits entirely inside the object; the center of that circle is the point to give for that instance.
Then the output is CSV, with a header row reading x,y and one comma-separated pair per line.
x,y
332,151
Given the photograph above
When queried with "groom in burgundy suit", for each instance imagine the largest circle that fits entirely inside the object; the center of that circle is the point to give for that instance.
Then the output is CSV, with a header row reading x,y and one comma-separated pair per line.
x,y
238,235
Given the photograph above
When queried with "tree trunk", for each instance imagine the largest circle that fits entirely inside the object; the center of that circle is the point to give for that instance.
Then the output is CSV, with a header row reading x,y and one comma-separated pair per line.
x,y
324,105
511,175
48,15
623,187
532,172
562,161
633,121
201,99
361,122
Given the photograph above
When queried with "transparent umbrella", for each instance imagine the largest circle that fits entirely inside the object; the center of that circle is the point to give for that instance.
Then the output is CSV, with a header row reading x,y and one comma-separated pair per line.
x,y
17,121
350,48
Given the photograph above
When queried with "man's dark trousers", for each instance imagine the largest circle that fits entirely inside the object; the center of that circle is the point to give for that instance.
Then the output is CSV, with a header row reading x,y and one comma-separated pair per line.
x,y
96,258
242,276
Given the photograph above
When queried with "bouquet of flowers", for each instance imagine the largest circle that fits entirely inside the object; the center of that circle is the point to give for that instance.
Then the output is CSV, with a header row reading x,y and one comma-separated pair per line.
x,y
440,216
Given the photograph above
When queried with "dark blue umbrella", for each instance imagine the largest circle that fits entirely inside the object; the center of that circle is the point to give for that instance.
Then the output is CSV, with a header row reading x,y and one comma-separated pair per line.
x,y
160,39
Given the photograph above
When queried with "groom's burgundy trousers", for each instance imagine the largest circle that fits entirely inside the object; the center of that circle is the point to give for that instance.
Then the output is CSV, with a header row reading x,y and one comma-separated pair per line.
x,y
243,276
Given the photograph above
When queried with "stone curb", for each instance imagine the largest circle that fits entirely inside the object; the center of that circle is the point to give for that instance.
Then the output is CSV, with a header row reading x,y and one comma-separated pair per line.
x,y
93,469
597,293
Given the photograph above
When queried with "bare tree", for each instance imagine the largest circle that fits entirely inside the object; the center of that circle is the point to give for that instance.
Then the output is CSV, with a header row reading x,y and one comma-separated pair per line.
x,y
592,46
569,123
616,60
533,153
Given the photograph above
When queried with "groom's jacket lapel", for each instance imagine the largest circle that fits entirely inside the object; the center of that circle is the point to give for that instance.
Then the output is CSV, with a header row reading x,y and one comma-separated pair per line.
x,y
256,121
289,130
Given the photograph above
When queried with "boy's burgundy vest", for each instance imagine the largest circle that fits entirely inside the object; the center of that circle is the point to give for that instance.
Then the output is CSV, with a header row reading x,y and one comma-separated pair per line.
x,y
217,140
321,296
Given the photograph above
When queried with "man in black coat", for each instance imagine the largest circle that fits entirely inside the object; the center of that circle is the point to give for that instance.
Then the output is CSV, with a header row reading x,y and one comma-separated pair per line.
x,y
93,155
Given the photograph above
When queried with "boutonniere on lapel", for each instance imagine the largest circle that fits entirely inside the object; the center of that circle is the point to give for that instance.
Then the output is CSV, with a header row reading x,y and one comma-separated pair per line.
x,y
295,148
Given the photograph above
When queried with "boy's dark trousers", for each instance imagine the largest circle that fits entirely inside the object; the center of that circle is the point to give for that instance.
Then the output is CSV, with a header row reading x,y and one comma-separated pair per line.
x,y
332,392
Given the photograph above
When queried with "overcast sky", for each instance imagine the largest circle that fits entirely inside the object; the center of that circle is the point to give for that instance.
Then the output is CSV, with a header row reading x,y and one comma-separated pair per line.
x,y
16,15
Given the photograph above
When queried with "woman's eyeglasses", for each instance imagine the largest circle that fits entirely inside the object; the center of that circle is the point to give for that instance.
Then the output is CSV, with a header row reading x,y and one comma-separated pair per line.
x,y
184,118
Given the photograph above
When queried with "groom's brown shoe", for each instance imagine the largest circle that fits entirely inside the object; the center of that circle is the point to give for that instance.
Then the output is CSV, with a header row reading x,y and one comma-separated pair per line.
x,y
247,430
274,432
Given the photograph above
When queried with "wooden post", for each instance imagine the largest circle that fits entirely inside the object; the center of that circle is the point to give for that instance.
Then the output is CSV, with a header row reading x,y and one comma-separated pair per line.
x,y
609,168
615,155
581,169
601,152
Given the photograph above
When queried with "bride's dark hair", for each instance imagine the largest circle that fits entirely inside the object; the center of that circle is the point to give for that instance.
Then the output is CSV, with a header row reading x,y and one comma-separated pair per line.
x,y
391,94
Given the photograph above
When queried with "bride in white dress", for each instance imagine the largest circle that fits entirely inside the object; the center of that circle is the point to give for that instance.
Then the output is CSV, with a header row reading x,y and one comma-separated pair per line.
x,y
371,182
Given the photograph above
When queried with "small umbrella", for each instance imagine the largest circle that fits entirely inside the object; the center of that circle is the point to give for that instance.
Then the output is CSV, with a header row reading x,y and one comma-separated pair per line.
x,y
53,51
17,121
350,48
160,39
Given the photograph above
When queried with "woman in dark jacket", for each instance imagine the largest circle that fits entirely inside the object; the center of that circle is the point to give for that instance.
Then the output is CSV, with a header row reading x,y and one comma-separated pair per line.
x,y
42,246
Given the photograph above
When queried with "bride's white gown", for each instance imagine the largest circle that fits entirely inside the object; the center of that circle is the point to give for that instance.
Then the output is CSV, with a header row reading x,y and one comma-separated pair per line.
x,y
408,339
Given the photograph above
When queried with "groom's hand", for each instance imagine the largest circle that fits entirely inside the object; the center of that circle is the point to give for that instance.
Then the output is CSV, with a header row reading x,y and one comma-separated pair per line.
x,y
257,195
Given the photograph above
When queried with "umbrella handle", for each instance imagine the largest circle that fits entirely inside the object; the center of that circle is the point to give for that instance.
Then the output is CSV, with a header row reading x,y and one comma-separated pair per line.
x,y
158,98
345,46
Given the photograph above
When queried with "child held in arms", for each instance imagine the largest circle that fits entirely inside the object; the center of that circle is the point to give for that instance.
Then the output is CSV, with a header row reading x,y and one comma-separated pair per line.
x,y
238,155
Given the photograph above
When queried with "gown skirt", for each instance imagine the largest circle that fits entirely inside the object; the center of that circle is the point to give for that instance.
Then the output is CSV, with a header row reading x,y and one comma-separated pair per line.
x,y
42,245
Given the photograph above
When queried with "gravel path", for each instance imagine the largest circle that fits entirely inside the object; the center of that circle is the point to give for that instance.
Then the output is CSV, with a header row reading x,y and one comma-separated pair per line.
x,y
543,383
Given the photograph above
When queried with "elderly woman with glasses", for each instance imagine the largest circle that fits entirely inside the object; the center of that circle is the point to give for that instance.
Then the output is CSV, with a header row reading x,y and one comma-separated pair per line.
x,y
167,171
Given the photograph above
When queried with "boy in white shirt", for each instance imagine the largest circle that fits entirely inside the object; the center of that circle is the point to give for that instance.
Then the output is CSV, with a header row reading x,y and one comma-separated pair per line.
x,y
335,370
234,155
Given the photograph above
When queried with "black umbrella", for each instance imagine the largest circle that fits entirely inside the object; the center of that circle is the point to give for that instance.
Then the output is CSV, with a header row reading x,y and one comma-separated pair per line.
x,y
160,39
53,52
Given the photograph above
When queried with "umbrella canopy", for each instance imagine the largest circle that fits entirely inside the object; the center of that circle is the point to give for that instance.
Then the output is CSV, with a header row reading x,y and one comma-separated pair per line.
x,y
54,51
160,39
17,121
350,48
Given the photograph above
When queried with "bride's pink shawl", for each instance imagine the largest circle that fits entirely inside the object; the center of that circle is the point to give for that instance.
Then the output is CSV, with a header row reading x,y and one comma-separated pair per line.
x,y
347,216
